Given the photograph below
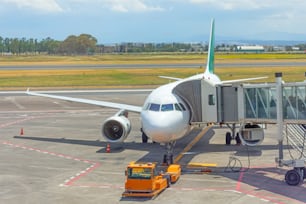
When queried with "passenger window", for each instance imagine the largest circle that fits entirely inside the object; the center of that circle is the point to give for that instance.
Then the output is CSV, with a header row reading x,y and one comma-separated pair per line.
x,y
167,107
177,107
182,106
154,107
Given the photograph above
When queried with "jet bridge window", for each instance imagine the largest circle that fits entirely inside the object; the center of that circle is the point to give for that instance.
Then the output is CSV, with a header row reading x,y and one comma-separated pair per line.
x,y
154,107
167,107
211,100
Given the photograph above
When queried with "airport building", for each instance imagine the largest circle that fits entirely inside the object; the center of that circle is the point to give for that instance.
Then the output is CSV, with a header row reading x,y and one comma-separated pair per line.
x,y
251,49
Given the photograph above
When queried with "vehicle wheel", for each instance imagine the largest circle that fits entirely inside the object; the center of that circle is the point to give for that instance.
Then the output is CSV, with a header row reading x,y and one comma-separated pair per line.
x,y
165,159
168,181
228,138
292,177
144,138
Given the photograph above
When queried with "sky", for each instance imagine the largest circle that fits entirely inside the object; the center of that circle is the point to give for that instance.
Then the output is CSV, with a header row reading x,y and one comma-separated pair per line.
x,y
117,21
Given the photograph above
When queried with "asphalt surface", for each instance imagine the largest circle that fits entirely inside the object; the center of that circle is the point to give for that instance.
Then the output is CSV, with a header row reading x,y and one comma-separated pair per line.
x,y
61,158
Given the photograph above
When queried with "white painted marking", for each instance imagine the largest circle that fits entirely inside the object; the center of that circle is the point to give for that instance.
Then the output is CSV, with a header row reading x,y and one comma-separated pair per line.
x,y
187,189
251,196
234,191
104,186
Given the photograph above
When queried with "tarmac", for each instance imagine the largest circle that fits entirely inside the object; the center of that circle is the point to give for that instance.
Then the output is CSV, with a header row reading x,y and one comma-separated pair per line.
x,y
51,151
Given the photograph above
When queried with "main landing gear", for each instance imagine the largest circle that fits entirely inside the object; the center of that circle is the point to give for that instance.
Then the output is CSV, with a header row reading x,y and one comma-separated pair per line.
x,y
231,136
144,137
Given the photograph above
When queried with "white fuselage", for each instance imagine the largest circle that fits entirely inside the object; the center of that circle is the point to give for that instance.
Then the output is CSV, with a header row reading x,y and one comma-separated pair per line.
x,y
165,116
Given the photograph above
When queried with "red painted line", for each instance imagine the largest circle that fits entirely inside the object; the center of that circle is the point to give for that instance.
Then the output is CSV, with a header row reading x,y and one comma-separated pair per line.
x,y
269,197
82,174
238,185
22,120
70,181
15,122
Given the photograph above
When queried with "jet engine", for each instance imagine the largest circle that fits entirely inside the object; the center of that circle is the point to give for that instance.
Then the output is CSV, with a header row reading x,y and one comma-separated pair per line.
x,y
251,135
117,127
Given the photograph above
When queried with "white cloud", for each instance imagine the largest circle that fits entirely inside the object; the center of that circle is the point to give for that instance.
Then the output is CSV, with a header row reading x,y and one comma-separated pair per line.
x,y
131,6
233,4
123,6
39,5
250,4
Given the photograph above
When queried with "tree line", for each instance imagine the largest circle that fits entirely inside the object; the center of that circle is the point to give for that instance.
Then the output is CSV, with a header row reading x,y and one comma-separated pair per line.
x,y
72,45
86,44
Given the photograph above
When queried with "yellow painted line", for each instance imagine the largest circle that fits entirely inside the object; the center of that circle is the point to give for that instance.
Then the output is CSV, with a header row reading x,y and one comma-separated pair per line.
x,y
202,165
192,143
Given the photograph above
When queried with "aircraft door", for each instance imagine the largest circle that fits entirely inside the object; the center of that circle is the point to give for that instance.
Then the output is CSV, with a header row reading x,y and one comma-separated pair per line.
x,y
209,102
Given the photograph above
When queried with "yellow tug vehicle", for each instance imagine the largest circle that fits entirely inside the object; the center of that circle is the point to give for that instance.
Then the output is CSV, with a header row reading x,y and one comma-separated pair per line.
x,y
145,180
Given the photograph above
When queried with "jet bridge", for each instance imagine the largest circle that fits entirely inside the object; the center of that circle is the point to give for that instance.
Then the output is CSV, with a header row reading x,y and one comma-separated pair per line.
x,y
252,104
243,103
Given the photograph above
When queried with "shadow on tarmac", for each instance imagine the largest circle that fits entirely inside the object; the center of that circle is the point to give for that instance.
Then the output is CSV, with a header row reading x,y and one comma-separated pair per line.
x,y
251,180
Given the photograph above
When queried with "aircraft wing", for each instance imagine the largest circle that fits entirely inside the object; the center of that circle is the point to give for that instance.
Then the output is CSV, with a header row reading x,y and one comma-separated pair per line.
x,y
136,109
241,80
172,78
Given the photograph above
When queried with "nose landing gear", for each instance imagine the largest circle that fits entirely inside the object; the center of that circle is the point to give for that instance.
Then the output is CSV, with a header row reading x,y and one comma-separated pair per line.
x,y
168,157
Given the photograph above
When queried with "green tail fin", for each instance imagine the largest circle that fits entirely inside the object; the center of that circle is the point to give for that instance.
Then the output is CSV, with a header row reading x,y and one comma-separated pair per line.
x,y
210,67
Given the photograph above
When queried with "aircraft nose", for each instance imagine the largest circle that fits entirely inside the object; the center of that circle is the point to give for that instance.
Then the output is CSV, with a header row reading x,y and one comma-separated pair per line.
x,y
164,127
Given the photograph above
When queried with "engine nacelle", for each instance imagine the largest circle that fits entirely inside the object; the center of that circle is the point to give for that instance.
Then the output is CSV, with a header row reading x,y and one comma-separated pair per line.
x,y
251,135
117,127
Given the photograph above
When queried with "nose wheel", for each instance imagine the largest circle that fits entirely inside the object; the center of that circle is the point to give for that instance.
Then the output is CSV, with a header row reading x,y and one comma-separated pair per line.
x,y
168,157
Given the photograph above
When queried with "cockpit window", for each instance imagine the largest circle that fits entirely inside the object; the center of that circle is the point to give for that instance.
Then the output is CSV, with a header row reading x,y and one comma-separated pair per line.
x,y
154,107
147,106
167,107
183,107
177,107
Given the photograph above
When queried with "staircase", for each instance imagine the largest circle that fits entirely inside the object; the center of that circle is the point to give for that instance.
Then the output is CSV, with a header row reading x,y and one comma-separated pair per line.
x,y
296,138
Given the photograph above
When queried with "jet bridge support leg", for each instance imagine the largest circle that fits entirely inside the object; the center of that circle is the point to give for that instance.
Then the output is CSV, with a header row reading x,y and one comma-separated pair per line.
x,y
296,175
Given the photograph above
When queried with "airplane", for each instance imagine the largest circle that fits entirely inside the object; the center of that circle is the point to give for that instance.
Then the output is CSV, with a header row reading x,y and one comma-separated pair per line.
x,y
165,116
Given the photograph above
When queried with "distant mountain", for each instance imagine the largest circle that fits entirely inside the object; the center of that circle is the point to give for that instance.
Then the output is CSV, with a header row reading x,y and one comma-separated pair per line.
x,y
277,39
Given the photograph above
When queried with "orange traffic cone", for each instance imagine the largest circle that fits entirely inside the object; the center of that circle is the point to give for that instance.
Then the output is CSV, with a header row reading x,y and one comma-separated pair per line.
x,y
108,148
21,131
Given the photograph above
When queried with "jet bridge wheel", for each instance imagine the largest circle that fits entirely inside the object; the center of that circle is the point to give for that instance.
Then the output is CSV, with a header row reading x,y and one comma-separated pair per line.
x,y
228,138
294,177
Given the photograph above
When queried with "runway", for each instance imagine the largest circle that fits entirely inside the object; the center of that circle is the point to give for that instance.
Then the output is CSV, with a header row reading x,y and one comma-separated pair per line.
x,y
149,66
61,157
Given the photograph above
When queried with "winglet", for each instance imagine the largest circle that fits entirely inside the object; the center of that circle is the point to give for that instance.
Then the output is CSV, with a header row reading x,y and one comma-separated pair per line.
x,y
28,90
210,68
